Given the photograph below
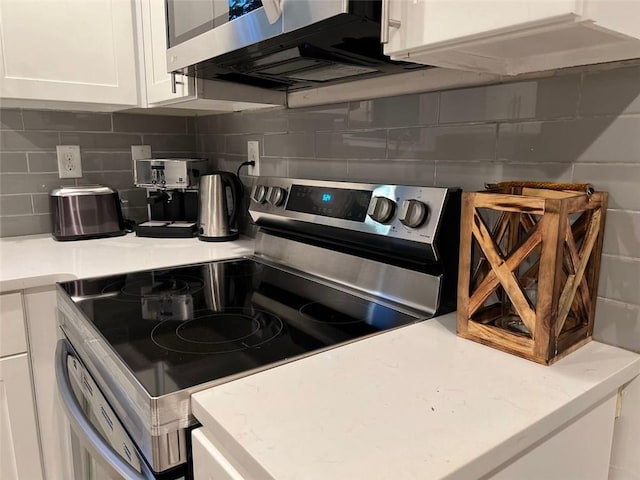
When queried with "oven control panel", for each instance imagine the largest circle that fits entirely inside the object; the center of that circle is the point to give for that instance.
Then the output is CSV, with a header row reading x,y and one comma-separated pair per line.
x,y
399,211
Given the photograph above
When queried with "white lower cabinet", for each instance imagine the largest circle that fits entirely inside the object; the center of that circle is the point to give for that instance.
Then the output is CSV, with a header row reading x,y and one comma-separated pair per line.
x,y
578,450
209,463
43,333
19,447
19,450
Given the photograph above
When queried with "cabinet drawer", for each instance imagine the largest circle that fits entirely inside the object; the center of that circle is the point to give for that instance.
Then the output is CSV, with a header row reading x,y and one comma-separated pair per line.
x,y
12,337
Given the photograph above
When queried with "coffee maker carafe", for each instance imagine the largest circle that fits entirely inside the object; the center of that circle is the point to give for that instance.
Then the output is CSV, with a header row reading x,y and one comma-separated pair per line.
x,y
220,200
172,195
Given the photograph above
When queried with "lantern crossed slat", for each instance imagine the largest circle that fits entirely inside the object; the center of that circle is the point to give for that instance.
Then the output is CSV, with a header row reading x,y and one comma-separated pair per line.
x,y
542,247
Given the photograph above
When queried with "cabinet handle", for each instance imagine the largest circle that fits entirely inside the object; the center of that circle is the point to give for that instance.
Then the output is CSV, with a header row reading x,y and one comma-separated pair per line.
x,y
174,82
387,22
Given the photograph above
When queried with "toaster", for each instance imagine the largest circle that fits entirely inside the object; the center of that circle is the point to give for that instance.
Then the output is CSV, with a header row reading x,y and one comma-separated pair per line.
x,y
88,211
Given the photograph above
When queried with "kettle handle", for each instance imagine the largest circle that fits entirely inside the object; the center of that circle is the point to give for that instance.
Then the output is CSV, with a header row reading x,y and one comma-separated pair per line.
x,y
234,183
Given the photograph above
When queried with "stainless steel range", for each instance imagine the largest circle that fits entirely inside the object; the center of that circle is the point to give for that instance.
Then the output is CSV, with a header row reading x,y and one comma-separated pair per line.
x,y
333,262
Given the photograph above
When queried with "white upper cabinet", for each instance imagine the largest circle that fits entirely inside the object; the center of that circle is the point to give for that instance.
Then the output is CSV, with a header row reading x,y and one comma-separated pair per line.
x,y
163,90
513,36
158,82
75,52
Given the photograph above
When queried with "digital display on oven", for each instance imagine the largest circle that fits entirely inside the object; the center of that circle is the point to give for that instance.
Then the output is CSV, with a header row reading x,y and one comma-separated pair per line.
x,y
330,202
238,8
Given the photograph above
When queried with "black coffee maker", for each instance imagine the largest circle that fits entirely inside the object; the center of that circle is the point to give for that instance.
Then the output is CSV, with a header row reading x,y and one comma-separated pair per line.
x,y
172,186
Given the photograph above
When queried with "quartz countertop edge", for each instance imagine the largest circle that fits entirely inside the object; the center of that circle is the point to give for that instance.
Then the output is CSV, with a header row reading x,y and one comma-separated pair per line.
x,y
38,260
398,404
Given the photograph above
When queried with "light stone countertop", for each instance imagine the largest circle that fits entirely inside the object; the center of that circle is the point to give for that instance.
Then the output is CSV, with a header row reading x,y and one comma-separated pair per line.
x,y
38,260
414,403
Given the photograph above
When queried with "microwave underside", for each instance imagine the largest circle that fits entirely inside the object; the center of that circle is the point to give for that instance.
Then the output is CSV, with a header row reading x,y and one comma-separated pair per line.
x,y
340,49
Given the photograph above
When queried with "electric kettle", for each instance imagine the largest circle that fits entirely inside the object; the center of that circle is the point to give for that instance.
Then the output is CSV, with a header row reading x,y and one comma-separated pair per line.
x,y
219,207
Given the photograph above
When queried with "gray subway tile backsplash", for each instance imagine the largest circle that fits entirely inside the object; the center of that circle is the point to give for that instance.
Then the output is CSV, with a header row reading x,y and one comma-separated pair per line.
x,y
588,140
617,323
66,121
11,119
621,181
24,225
101,141
170,142
459,142
13,162
540,99
396,171
106,161
11,141
16,205
293,144
29,168
622,233
357,144
599,98
140,123
45,162
406,110
582,127
619,278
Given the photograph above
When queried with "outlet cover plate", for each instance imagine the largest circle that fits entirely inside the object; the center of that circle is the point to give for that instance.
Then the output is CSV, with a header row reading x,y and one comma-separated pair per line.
x,y
69,161
139,152
253,154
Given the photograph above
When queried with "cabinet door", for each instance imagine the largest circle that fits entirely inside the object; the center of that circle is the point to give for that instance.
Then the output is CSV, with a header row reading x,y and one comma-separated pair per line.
x,y
19,449
73,51
158,81
209,463
12,337
432,22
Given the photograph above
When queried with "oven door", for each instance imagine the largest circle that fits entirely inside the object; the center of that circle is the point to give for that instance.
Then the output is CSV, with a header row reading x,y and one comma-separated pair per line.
x,y
102,449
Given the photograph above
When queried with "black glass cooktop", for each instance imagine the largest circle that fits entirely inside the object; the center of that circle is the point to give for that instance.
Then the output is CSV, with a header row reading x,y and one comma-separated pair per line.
x,y
180,327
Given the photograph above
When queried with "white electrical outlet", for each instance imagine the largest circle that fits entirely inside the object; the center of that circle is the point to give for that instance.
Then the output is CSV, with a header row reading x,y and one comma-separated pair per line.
x,y
253,154
140,152
69,161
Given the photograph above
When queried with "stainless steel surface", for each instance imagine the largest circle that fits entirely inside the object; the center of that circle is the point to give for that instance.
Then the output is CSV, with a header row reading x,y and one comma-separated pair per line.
x,y
169,173
241,32
82,190
102,452
433,197
252,28
215,213
152,422
416,291
300,13
85,212
158,424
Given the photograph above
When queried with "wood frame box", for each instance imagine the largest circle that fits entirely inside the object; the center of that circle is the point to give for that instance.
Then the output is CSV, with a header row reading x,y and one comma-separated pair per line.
x,y
529,268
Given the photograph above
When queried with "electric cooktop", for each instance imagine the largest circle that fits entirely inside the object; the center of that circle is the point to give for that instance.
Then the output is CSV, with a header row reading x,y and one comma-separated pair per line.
x,y
179,327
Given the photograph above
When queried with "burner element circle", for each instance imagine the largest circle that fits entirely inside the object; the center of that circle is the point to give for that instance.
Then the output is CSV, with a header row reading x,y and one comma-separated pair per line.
x,y
231,330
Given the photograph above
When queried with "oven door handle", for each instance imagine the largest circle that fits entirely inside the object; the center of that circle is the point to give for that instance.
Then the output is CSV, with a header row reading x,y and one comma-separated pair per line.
x,y
88,434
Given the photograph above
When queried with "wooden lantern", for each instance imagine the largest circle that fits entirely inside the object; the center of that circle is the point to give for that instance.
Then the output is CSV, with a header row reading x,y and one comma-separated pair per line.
x,y
529,267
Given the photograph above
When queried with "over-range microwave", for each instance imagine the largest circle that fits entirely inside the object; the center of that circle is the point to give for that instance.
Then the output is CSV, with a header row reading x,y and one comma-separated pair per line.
x,y
279,44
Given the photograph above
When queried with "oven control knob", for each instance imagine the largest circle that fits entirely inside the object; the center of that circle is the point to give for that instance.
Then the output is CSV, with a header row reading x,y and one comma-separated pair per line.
x,y
259,194
276,196
382,209
413,213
